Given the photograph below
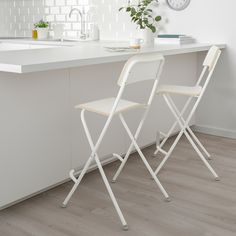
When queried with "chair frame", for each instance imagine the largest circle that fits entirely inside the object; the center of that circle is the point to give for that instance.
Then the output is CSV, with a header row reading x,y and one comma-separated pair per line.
x,y
123,81
184,124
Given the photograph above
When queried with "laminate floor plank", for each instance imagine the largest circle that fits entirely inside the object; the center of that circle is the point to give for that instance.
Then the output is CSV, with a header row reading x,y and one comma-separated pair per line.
x,y
199,207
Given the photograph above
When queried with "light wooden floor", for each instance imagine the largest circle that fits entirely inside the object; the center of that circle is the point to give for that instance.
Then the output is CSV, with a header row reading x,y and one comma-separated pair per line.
x,y
200,206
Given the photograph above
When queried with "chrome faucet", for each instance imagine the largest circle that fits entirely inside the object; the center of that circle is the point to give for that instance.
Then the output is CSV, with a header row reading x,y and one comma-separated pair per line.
x,y
82,21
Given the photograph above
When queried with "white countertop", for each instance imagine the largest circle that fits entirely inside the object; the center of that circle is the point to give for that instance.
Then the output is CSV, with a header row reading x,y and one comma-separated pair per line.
x,y
82,54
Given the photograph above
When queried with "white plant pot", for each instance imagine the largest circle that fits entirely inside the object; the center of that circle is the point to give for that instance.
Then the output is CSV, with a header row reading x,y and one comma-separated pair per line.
x,y
148,37
42,33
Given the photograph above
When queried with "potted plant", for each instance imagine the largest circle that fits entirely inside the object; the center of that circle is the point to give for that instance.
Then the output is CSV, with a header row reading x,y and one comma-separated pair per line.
x,y
143,16
42,28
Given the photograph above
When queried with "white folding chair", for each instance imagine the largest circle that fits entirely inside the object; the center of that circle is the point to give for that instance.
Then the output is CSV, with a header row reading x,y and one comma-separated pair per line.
x,y
138,68
196,93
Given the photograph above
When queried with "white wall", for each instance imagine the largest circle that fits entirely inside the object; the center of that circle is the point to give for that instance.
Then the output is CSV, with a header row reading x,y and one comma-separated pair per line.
x,y
213,21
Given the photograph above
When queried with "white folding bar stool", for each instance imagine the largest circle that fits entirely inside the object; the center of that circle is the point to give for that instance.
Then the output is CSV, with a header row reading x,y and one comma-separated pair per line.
x,y
195,92
138,68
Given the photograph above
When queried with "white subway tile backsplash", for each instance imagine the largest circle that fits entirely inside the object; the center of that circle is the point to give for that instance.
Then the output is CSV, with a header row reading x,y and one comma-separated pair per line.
x,y
60,2
55,10
50,18
65,10
49,3
60,18
17,17
71,2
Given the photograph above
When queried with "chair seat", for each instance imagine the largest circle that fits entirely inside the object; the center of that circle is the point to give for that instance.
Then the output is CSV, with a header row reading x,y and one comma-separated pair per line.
x,y
180,90
104,106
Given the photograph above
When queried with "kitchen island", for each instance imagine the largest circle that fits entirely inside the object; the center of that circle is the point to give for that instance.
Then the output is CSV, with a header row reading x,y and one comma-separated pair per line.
x,y
41,136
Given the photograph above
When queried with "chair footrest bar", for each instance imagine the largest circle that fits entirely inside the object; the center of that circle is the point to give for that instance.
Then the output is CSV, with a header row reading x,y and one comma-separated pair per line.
x,y
163,134
118,157
161,150
72,175
155,153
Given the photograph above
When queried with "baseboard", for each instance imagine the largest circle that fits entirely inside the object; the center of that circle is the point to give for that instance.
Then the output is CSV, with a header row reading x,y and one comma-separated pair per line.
x,y
215,131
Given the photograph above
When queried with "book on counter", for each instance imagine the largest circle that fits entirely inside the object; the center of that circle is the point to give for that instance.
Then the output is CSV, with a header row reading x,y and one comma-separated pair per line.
x,y
175,39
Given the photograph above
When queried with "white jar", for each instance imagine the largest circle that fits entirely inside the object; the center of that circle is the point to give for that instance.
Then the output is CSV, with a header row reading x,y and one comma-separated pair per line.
x,y
42,33
148,37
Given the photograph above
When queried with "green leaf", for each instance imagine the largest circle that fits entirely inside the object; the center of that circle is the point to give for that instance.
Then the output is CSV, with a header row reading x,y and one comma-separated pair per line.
x,y
41,24
153,29
139,14
145,21
133,11
158,18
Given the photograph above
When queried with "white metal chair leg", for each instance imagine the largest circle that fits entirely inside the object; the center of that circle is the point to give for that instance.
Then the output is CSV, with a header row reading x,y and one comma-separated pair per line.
x,y
180,115
94,149
167,156
159,147
114,201
167,198
202,157
121,167
184,126
130,148
199,143
137,132
173,127
76,184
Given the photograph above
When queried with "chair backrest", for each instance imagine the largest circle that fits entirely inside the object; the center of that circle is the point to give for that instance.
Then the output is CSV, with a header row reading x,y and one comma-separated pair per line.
x,y
140,68
209,64
212,58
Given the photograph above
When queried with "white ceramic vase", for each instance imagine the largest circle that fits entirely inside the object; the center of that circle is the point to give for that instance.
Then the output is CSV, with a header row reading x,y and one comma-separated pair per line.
x,y
148,37
42,33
